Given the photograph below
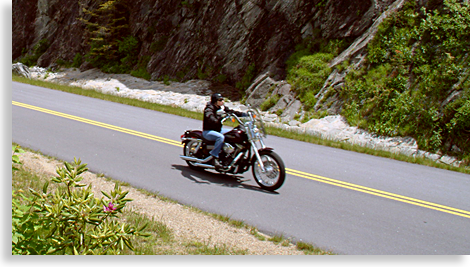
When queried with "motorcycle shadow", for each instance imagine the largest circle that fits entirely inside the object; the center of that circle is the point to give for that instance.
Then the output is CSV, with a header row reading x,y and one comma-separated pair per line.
x,y
213,177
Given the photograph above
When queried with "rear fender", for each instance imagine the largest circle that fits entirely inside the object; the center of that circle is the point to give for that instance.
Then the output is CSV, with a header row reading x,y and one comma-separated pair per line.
x,y
191,134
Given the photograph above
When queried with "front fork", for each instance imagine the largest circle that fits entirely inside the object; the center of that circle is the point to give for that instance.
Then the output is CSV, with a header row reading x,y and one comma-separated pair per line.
x,y
256,152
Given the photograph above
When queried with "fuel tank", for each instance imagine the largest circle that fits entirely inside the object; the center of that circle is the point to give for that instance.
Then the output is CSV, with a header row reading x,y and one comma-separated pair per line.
x,y
236,135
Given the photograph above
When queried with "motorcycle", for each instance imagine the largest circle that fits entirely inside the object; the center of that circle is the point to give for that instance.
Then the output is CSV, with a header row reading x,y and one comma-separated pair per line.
x,y
243,148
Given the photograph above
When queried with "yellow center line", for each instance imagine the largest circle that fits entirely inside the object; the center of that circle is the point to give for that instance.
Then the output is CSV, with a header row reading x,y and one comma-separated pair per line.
x,y
384,194
100,124
363,189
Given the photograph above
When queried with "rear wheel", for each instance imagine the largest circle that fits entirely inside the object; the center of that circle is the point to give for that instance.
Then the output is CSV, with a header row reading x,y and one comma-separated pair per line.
x,y
275,172
189,151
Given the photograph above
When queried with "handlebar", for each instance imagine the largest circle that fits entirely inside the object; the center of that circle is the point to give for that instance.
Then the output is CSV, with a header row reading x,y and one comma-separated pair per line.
x,y
254,119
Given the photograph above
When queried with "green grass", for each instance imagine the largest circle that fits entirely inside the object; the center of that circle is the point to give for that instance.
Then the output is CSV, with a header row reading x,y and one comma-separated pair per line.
x,y
270,130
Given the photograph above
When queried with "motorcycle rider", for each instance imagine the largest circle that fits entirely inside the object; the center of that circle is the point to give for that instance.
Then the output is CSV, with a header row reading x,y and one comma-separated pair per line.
x,y
212,124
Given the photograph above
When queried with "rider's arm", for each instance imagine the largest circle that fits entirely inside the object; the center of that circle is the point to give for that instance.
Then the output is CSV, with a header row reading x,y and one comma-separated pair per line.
x,y
238,113
211,115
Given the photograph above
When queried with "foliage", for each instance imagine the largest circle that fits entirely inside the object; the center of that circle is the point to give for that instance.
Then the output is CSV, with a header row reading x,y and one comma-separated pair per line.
x,y
39,49
308,77
307,68
246,79
15,160
416,82
270,102
77,60
105,26
69,219
112,48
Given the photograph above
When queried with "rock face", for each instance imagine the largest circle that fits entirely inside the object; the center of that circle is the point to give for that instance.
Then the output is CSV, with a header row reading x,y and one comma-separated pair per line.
x,y
184,38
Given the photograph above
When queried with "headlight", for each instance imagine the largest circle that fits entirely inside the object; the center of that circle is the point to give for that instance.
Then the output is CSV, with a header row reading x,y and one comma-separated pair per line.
x,y
255,133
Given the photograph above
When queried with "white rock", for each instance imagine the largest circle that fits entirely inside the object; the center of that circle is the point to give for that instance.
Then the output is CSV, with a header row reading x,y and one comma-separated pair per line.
x,y
21,69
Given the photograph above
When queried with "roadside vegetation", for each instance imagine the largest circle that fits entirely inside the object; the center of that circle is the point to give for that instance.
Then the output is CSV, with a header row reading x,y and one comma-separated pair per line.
x,y
66,218
414,80
307,68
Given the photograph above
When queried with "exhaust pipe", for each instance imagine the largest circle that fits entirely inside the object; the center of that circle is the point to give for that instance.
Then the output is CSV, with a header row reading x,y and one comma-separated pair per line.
x,y
205,166
196,159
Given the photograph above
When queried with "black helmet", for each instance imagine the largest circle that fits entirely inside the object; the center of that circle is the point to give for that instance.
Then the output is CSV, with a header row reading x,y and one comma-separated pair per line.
x,y
216,97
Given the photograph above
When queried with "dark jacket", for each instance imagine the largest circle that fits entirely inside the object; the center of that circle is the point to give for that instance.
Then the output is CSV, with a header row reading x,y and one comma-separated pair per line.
x,y
212,121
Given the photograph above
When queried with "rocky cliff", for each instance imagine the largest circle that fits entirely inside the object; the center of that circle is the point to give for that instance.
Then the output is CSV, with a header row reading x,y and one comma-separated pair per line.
x,y
181,39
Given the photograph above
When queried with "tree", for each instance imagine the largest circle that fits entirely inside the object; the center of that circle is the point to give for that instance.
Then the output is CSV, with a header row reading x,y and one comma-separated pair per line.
x,y
106,27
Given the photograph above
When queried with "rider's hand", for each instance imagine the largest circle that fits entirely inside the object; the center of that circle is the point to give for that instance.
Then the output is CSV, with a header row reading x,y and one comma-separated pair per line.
x,y
220,112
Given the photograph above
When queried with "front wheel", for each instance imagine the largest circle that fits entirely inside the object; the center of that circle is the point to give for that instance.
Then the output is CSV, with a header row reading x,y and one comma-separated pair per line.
x,y
275,172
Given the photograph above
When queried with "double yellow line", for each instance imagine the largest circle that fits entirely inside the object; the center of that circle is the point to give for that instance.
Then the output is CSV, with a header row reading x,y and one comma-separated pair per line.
x,y
384,194
363,189
100,124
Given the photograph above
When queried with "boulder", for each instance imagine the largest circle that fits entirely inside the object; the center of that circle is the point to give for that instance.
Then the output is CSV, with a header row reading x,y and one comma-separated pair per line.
x,y
21,70
259,90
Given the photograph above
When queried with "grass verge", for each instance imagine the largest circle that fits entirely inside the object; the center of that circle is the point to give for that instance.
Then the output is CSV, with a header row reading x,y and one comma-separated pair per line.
x,y
270,130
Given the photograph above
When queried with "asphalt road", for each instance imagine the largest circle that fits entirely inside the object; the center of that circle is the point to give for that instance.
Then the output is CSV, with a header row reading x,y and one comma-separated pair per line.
x,y
338,200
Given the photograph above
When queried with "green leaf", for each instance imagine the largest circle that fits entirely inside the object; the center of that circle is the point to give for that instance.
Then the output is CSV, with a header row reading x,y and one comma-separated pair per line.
x,y
44,188
106,194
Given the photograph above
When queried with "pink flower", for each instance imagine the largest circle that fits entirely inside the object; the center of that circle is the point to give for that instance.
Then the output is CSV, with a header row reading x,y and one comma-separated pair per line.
x,y
109,208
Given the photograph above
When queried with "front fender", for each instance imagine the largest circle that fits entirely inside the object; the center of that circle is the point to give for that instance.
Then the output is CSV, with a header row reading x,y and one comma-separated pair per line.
x,y
260,151
265,149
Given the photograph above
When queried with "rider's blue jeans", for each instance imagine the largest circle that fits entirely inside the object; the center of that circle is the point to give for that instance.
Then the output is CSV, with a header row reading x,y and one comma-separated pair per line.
x,y
218,138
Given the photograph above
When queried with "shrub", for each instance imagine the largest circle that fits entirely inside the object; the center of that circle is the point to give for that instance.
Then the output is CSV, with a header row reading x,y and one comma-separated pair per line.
x,y
112,48
308,76
69,219
246,79
40,48
270,102
307,67
416,82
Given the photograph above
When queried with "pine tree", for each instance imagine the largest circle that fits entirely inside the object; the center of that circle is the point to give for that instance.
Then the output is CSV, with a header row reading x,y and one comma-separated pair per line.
x,y
106,25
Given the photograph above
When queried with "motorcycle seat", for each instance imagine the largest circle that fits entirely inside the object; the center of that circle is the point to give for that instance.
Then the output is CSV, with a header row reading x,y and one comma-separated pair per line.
x,y
208,142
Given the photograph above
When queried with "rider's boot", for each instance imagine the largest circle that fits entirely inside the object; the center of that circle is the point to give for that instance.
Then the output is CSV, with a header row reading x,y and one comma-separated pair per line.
x,y
217,164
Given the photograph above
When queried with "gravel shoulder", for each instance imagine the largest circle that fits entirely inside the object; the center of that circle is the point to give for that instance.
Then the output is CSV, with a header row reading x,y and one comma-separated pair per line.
x,y
185,223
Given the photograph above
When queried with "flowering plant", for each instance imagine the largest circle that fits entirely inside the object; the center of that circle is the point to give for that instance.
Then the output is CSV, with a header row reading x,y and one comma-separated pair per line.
x,y
109,208
70,220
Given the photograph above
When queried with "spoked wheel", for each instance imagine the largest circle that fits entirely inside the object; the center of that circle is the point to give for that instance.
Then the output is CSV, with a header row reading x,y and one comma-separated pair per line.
x,y
275,172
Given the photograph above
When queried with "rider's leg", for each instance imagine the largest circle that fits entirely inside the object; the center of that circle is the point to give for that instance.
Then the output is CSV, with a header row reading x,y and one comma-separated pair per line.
x,y
219,141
